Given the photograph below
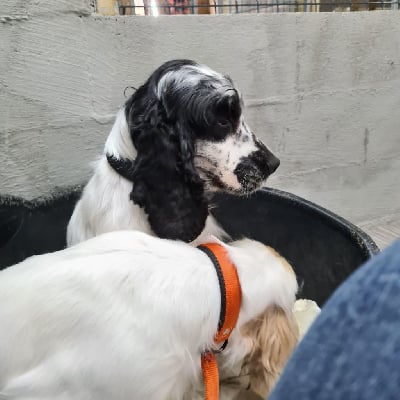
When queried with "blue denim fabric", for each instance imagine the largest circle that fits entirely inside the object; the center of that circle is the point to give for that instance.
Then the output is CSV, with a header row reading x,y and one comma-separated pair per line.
x,y
352,351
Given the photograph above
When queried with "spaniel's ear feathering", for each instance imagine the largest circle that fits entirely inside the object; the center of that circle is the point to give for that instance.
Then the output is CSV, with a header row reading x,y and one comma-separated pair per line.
x,y
165,182
272,338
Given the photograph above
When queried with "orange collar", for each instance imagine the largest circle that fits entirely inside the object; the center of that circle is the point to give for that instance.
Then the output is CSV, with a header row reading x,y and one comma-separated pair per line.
x,y
231,297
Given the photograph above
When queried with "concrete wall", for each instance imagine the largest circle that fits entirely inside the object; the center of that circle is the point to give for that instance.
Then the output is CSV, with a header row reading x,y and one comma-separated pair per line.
x,y
322,90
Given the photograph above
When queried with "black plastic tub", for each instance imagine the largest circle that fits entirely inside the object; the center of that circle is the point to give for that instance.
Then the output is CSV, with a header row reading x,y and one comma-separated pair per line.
x,y
34,227
323,248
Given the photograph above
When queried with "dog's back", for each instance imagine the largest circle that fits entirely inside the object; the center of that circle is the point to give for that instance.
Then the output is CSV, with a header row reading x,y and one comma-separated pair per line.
x,y
105,207
88,320
123,315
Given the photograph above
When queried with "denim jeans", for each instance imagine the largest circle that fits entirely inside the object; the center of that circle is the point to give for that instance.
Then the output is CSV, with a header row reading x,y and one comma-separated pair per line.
x,y
352,351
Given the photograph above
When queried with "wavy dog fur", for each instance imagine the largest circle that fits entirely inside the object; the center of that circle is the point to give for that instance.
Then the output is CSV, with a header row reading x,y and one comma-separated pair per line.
x,y
179,138
126,316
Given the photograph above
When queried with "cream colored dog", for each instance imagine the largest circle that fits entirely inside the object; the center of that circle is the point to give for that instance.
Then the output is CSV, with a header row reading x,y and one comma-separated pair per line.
x,y
126,316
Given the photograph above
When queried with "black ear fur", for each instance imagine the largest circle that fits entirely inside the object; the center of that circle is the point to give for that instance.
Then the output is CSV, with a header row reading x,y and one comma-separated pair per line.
x,y
229,105
165,182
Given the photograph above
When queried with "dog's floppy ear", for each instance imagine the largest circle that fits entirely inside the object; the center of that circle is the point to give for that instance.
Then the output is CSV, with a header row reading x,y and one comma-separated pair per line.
x,y
273,337
165,182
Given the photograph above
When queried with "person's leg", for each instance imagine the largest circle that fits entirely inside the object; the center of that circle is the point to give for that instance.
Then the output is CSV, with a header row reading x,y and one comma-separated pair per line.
x,y
352,351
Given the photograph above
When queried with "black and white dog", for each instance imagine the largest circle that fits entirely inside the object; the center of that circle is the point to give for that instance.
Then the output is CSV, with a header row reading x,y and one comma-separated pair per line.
x,y
180,137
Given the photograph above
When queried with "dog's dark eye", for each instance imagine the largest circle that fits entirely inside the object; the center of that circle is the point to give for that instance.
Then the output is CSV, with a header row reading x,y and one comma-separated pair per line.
x,y
223,123
222,129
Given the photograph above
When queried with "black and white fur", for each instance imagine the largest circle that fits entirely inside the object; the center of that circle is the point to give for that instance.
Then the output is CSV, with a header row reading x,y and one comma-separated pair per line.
x,y
180,137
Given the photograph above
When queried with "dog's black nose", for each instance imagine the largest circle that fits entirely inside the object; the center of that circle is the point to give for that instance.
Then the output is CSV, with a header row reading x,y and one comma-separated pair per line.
x,y
273,163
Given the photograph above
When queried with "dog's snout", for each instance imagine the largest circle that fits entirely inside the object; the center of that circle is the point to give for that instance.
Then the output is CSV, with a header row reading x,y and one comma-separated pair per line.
x,y
273,163
270,160
254,169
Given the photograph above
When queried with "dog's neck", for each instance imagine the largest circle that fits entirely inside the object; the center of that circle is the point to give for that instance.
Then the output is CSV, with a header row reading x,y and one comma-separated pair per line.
x,y
119,143
119,149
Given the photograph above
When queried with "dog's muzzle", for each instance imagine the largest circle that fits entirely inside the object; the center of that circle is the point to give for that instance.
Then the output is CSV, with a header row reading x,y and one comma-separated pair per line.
x,y
254,169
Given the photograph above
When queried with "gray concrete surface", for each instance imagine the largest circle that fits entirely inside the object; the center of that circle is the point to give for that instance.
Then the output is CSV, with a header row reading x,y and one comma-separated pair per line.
x,y
383,233
322,90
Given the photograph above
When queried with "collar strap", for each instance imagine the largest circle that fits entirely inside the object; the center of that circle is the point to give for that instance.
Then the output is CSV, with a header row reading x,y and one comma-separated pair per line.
x,y
231,297
229,284
122,166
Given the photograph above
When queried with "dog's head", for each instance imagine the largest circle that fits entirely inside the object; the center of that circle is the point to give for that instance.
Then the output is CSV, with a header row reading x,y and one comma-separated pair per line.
x,y
191,139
